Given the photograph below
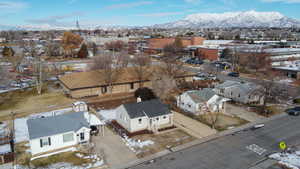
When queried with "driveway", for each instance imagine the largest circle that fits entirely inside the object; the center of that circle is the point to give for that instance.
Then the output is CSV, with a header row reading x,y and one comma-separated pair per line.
x,y
116,153
241,112
192,127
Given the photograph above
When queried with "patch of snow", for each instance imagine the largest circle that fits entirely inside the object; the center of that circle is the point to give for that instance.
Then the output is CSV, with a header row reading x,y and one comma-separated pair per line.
x,y
51,113
21,130
5,149
93,119
291,160
132,144
107,115
286,81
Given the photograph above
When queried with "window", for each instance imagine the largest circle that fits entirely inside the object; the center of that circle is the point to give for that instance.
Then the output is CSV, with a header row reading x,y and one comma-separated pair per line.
x,y
45,142
157,118
68,137
231,93
104,89
131,86
164,117
239,95
140,121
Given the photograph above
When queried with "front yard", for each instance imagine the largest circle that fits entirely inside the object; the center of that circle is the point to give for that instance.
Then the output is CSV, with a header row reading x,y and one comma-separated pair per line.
x,y
67,160
223,121
160,142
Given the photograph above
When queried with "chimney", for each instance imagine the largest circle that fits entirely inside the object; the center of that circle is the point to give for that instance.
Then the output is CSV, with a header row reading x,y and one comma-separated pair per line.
x,y
139,99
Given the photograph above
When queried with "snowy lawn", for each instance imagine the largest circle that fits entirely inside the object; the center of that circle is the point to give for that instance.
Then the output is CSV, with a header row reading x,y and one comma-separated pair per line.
x,y
107,115
69,160
290,160
135,145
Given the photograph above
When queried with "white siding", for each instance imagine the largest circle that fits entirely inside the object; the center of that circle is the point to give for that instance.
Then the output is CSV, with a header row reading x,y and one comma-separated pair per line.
x,y
133,125
57,142
185,102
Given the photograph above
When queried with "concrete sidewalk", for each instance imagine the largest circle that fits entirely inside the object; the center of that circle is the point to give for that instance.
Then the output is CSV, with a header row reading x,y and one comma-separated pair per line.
x,y
192,127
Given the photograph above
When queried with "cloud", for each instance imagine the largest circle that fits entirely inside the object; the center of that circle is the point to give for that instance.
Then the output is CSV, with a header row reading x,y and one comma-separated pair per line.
x,y
129,5
7,5
160,14
283,1
58,20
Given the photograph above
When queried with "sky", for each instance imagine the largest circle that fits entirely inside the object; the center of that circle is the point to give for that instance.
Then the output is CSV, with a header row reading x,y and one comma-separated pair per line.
x,y
63,13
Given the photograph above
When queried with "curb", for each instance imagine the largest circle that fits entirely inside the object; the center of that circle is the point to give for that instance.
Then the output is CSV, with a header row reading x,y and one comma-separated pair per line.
x,y
197,142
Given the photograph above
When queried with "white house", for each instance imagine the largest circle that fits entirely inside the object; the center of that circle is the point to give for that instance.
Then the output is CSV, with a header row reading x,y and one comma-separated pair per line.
x,y
194,101
199,101
57,133
148,115
242,92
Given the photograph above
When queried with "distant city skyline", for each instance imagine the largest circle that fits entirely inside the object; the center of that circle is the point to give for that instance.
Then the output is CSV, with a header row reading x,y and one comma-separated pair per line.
x,y
65,13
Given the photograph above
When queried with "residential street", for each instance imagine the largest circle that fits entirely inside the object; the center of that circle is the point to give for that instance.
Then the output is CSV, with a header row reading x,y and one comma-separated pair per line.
x,y
242,150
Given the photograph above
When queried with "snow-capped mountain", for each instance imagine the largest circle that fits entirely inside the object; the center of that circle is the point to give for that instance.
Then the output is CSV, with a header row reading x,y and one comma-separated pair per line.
x,y
233,19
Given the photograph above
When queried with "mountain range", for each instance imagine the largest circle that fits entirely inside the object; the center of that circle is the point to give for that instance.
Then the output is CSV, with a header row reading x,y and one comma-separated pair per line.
x,y
233,19
246,19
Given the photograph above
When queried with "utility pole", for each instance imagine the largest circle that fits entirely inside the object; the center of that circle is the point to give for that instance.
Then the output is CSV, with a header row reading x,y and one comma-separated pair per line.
x,y
12,135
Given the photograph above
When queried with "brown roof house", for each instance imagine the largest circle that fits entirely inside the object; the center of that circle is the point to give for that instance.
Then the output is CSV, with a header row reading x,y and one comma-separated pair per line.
x,y
97,83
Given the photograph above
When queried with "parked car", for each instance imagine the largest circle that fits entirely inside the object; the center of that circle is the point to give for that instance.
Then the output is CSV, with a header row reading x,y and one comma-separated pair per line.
x,y
194,61
233,74
205,76
293,111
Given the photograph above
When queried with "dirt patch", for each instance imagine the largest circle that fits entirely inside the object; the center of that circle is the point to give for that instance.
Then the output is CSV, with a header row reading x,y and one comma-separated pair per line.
x,y
162,141
223,121
28,102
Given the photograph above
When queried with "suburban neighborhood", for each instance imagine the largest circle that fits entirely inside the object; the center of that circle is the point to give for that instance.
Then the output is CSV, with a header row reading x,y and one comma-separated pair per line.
x,y
216,90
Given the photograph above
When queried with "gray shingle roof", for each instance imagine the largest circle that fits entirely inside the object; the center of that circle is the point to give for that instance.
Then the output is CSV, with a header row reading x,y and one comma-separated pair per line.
x,y
151,108
201,95
49,126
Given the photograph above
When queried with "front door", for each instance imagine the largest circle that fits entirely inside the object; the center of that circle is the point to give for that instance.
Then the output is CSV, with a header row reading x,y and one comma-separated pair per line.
x,y
81,136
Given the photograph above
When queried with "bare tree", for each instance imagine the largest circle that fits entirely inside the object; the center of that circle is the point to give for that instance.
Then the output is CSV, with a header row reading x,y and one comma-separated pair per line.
x,y
141,64
172,67
163,85
110,68
213,118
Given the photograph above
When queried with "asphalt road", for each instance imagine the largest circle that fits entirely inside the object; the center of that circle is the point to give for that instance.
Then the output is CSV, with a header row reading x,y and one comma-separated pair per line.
x,y
231,152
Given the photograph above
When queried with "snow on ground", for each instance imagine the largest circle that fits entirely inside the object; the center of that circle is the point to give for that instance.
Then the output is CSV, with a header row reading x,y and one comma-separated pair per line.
x,y
8,90
107,115
290,160
286,81
93,119
97,162
21,130
51,113
133,144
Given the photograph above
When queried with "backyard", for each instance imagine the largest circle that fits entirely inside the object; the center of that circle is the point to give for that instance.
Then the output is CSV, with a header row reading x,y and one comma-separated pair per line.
x,y
26,102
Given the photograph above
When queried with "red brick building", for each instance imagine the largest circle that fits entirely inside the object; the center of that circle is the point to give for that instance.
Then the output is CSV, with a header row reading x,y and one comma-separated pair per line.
x,y
211,54
155,45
